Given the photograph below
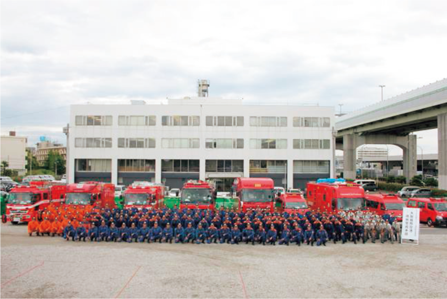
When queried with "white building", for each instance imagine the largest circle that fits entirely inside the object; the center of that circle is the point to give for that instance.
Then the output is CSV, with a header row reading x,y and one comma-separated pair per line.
x,y
13,151
200,138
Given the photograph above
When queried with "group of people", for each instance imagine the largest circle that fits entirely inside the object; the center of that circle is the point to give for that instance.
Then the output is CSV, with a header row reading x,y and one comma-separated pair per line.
x,y
206,226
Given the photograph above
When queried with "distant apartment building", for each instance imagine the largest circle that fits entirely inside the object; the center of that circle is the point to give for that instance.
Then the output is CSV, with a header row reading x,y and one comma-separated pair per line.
x,y
13,151
45,147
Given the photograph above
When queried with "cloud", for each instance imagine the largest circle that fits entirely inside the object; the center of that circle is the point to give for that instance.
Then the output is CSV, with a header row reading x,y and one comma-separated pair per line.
x,y
57,53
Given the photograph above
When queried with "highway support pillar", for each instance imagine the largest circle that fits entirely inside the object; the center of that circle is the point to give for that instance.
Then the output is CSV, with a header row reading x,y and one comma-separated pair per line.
x,y
410,157
349,156
442,151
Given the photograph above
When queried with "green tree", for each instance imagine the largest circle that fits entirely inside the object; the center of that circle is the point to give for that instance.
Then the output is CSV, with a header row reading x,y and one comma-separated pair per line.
x,y
5,172
417,181
431,182
55,161
31,161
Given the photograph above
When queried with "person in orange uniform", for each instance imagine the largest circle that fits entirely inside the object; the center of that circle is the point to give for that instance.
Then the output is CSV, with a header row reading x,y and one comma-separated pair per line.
x,y
55,227
45,227
33,226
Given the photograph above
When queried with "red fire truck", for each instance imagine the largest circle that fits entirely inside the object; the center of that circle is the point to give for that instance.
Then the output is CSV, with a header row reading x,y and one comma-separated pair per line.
x,y
291,203
97,194
24,202
144,196
254,193
333,197
197,195
385,204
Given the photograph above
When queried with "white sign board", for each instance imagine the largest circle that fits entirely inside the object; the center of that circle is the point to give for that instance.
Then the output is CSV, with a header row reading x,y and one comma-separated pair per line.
x,y
410,224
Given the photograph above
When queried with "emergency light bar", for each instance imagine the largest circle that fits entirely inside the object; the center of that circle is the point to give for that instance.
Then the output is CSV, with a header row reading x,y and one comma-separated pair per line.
x,y
331,181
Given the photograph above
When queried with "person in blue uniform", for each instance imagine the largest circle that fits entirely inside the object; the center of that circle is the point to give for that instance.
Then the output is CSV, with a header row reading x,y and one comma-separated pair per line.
x,y
272,235
114,233
200,234
260,235
168,233
81,233
69,232
213,234
156,233
123,233
309,236
322,236
93,233
297,236
144,233
235,235
179,233
134,233
103,231
225,234
285,236
190,233
248,234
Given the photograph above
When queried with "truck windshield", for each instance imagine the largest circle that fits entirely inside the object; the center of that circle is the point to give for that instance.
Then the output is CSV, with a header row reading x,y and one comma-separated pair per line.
x,y
351,203
78,198
199,195
395,206
20,198
257,195
135,199
441,207
296,205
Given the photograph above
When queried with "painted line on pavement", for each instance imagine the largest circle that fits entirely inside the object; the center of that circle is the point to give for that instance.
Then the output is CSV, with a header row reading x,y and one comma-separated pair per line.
x,y
243,285
128,282
21,274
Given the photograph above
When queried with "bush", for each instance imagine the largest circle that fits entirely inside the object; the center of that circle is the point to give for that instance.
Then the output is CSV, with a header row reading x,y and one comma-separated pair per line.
x,y
391,179
431,182
438,193
392,187
401,179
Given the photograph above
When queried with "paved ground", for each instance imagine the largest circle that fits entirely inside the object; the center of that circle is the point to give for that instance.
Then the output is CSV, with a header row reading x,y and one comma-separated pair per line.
x,y
48,267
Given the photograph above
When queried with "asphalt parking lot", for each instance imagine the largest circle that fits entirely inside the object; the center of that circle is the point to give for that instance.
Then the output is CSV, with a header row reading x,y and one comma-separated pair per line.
x,y
46,267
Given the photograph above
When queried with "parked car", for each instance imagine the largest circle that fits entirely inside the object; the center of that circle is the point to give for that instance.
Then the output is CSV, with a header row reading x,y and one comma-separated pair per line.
x,y
174,192
370,186
292,190
119,190
433,211
406,191
421,193
6,183
361,182
64,179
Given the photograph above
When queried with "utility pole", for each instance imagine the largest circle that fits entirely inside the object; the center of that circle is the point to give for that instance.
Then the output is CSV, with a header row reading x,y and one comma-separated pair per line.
x,y
381,87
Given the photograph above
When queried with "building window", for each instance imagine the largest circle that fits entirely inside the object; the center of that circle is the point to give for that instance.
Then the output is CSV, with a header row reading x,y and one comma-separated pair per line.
x,y
312,122
136,120
180,165
308,166
135,165
224,166
311,143
268,166
224,143
180,120
94,165
180,143
224,121
268,121
136,142
93,142
93,120
268,143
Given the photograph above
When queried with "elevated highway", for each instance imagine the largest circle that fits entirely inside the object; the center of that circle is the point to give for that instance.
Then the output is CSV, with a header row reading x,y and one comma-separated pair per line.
x,y
394,121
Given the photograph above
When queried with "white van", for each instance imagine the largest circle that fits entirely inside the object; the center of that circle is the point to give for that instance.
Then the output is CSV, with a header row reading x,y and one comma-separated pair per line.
x,y
362,182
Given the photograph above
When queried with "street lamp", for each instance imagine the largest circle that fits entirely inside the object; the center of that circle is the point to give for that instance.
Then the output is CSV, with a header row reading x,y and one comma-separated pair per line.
x,y
381,87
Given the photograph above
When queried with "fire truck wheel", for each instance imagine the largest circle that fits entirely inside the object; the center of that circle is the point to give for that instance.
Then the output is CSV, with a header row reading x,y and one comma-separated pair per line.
x,y
429,222
14,222
4,220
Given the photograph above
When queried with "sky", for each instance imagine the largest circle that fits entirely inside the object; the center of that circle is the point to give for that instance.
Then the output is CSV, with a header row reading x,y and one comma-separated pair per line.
x,y
58,53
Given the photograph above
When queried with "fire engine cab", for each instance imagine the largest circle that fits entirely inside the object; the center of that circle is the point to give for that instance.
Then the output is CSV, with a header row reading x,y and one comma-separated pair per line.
x,y
291,203
334,195
97,194
144,196
254,193
385,204
197,195
24,202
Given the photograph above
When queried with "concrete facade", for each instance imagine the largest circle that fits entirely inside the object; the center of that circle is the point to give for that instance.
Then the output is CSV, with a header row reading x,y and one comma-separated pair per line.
x,y
442,151
13,151
277,163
